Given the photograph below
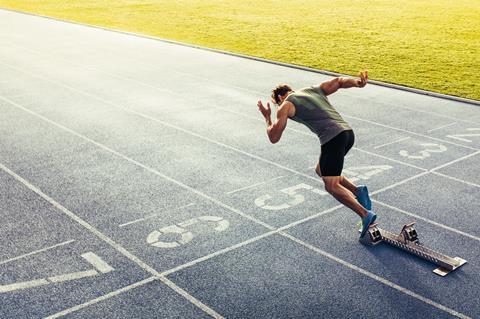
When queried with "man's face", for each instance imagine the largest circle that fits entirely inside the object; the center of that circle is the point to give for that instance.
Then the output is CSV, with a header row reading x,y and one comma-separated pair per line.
x,y
283,97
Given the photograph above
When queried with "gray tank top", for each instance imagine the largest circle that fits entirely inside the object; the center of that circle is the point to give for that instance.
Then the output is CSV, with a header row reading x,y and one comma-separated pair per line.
x,y
313,109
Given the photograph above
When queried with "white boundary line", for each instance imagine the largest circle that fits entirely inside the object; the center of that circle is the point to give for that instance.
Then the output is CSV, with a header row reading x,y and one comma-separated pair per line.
x,y
163,90
37,251
444,126
190,188
101,298
390,143
210,106
420,296
455,161
255,185
147,168
410,132
116,105
377,278
456,179
123,250
111,242
154,215
248,57
218,253
454,230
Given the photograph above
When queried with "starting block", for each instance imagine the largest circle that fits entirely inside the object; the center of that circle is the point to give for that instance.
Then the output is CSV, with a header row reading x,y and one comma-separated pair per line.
x,y
408,240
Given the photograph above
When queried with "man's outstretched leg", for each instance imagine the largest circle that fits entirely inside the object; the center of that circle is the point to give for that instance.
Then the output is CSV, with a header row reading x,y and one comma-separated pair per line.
x,y
346,197
343,195
360,192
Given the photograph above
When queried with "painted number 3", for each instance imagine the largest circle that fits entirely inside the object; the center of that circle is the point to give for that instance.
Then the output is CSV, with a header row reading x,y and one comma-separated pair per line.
x,y
292,192
429,148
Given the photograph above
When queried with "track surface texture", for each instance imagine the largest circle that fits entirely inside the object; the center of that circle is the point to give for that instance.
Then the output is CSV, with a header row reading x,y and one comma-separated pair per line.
x,y
136,180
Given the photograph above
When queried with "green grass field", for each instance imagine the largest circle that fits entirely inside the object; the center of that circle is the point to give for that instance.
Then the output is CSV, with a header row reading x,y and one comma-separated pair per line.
x,y
432,45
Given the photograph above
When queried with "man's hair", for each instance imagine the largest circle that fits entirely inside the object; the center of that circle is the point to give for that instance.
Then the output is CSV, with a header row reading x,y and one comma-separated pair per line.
x,y
281,89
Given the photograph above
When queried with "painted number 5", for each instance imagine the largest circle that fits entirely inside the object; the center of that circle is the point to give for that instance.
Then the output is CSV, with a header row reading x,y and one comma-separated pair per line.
x,y
430,148
296,198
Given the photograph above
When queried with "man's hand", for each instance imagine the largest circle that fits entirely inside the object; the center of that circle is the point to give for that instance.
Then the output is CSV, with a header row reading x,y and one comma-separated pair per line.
x,y
266,111
363,79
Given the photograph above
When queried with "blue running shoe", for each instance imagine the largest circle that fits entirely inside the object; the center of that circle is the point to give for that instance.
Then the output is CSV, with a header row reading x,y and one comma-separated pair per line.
x,y
367,221
363,198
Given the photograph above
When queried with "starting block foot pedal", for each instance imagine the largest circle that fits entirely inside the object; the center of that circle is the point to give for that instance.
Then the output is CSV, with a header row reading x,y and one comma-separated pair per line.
x,y
372,237
444,271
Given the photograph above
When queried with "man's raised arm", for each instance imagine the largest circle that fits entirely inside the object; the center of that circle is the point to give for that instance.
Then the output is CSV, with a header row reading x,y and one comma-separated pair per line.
x,y
275,129
331,86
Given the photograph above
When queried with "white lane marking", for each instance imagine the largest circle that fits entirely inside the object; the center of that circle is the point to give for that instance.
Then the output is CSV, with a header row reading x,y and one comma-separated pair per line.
x,y
444,126
254,185
23,285
376,277
37,251
165,280
456,179
218,83
166,124
396,141
111,242
399,183
357,173
455,161
102,298
218,253
153,118
461,137
389,159
453,230
154,215
154,237
429,148
202,137
188,187
97,262
420,296
147,168
73,276
90,257
413,133
293,224
303,220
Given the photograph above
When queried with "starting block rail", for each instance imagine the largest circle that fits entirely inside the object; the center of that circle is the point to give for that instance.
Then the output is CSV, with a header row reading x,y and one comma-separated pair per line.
x,y
408,240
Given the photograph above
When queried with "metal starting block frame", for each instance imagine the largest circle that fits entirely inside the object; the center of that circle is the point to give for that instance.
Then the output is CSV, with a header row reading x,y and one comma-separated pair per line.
x,y
408,240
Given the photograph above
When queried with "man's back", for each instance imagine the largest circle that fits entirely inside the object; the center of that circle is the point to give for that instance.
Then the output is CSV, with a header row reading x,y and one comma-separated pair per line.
x,y
313,109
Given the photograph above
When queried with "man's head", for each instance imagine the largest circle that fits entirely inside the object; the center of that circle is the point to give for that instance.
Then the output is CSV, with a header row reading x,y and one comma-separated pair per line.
x,y
280,93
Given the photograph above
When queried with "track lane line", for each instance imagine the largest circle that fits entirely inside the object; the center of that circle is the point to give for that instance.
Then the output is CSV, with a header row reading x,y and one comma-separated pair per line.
x,y
110,242
123,250
37,251
188,187
101,298
377,278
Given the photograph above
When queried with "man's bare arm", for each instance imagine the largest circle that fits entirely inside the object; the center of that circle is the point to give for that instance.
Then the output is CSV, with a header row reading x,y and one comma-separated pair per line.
x,y
275,129
329,87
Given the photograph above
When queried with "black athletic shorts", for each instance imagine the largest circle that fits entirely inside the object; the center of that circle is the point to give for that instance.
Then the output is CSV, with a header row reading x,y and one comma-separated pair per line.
x,y
333,153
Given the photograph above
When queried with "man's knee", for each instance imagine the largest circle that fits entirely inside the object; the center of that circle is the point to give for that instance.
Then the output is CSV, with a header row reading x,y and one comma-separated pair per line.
x,y
331,184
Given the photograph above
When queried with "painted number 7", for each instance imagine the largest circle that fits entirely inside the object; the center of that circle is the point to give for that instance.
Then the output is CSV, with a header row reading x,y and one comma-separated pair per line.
x,y
292,192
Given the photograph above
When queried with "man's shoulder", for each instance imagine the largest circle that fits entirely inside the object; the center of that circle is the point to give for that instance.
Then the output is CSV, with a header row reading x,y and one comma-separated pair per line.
x,y
287,108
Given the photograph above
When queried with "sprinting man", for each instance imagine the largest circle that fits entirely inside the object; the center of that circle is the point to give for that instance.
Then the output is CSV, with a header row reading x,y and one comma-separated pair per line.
x,y
310,106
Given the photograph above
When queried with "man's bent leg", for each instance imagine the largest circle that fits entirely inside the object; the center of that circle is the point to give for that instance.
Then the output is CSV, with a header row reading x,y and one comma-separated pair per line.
x,y
343,195
345,182
360,192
